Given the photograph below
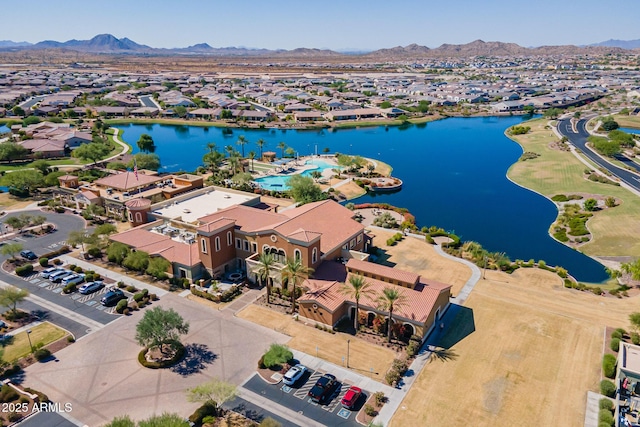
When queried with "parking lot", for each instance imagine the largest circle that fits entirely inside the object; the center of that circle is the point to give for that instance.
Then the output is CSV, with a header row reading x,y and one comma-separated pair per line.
x,y
295,398
91,300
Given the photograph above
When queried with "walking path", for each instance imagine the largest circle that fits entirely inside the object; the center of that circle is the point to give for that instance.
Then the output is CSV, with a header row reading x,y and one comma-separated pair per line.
x,y
113,275
476,274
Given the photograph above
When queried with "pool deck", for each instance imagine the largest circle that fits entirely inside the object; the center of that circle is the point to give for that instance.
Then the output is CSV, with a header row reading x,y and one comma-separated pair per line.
x,y
298,166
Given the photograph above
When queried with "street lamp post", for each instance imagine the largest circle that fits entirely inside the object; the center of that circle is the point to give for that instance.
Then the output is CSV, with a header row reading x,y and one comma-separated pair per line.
x,y
29,337
348,342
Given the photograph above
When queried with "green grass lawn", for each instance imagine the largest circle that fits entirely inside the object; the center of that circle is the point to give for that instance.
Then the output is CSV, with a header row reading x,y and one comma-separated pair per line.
x,y
616,231
44,333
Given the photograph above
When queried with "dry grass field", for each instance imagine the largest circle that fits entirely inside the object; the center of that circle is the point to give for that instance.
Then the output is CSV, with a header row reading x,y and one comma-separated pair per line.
x,y
534,353
628,121
616,232
7,201
421,258
331,347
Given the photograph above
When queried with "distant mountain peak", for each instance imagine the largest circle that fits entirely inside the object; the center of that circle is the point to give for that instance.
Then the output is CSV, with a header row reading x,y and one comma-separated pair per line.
x,y
623,44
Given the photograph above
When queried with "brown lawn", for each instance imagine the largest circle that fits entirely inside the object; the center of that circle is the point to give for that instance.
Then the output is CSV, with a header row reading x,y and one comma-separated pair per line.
x,y
7,201
421,258
535,352
331,347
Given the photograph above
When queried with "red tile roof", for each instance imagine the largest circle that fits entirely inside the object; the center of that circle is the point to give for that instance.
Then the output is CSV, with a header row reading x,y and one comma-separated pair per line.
x,y
382,270
247,218
125,181
419,303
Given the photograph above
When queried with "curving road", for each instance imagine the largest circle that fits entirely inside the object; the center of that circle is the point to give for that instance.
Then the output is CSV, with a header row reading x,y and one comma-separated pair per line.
x,y
579,140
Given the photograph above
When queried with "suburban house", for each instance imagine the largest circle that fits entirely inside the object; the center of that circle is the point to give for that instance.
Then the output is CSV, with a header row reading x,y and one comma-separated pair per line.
x,y
627,403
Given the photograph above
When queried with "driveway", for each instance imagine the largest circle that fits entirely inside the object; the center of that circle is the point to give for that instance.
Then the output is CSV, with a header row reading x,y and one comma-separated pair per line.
x,y
101,377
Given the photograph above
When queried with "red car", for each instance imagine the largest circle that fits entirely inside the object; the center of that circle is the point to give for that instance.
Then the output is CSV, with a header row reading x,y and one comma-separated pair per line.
x,y
351,397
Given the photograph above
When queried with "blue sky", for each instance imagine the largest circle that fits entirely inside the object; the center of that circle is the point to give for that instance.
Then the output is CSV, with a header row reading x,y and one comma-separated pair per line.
x,y
346,24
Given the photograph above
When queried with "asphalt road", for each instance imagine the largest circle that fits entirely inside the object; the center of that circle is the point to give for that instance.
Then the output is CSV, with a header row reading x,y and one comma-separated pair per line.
x,y
579,140
48,419
331,413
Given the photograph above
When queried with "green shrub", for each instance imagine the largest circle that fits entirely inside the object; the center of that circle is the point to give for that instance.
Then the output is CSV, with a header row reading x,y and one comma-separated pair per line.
x,y
207,409
8,394
621,331
413,348
609,365
615,344
607,388
560,198
24,270
71,338
132,289
605,416
42,354
392,377
606,404
370,410
44,262
70,288
94,252
78,269
616,334
138,297
57,261
121,285
635,338
122,304
277,355
380,398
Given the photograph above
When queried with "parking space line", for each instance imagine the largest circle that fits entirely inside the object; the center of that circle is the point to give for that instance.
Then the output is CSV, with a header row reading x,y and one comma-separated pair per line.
x,y
34,281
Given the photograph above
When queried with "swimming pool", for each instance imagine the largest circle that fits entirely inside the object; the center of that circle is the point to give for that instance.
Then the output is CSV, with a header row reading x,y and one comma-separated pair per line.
x,y
279,183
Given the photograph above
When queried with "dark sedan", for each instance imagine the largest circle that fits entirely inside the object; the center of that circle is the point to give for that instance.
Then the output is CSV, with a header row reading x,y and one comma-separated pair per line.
x,y
112,297
323,388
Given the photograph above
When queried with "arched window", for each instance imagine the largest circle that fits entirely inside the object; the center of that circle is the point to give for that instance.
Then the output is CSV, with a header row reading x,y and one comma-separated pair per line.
x,y
138,217
217,243
203,245
130,216
297,255
265,249
229,238
314,256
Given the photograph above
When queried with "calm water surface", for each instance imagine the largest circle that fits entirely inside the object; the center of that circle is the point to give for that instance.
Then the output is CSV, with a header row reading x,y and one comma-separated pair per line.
x,y
454,174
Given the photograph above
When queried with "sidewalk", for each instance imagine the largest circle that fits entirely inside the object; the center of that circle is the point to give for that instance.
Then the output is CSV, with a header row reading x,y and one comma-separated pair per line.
x,y
113,275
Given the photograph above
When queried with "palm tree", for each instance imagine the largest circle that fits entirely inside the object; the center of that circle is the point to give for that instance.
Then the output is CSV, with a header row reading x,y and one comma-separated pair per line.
x,y
316,175
356,288
265,266
282,146
252,155
295,273
391,299
211,146
241,142
234,162
261,143
229,149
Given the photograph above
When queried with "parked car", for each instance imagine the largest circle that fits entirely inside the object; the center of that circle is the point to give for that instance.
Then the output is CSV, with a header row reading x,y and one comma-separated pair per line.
x,y
74,279
112,296
323,388
57,277
49,271
91,287
351,397
28,255
294,374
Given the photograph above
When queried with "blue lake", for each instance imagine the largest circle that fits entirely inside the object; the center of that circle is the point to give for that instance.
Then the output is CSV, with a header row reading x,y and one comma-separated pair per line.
x,y
454,174
3,129
630,130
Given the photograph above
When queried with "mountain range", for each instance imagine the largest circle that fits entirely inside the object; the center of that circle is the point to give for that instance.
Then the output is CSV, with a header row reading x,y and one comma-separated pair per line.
x,y
108,44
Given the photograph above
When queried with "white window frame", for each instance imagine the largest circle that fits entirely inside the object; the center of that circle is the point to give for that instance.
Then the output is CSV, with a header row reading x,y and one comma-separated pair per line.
x,y
217,242
359,239
203,245
297,255
229,238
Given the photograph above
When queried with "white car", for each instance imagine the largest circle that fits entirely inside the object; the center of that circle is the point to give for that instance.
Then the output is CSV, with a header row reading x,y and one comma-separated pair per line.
x,y
294,374
49,271
73,279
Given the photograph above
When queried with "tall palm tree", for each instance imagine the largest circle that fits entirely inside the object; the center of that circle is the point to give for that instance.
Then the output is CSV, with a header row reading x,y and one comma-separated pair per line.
x,y
391,299
234,162
265,266
261,143
211,146
356,288
252,155
241,142
282,146
295,273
